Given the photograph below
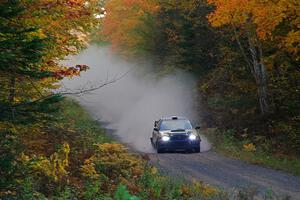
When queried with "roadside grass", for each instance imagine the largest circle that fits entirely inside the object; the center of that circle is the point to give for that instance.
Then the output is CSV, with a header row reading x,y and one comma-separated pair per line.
x,y
259,153
75,117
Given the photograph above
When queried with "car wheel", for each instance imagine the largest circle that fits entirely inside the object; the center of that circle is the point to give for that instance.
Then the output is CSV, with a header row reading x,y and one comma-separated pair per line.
x,y
197,149
159,150
189,151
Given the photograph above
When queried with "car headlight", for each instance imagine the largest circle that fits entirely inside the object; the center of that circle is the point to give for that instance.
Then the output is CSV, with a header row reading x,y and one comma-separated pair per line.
x,y
192,137
165,138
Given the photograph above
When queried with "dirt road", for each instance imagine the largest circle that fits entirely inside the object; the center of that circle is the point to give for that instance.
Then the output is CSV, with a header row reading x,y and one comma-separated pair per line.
x,y
227,173
222,172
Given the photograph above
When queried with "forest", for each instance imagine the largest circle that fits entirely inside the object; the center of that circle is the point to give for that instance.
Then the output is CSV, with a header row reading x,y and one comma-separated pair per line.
x,y
244,54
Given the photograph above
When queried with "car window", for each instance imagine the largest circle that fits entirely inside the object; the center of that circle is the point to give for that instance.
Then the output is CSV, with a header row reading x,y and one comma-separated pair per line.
x,y
175,124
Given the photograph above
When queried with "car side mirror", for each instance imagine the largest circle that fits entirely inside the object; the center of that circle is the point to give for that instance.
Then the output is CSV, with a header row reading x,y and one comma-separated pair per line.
x,y
197,128
155,128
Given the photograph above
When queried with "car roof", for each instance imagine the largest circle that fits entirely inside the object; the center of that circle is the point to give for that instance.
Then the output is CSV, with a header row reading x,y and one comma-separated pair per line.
x,y
173,118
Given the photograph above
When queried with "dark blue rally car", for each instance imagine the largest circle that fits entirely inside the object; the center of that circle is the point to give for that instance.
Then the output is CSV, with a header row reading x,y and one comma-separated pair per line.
x,y
175,134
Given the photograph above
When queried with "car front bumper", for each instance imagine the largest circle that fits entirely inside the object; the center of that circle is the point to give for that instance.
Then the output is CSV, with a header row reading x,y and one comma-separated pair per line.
x,y
176,145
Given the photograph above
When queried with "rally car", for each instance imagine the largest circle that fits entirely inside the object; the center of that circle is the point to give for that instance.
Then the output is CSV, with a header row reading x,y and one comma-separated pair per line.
x,y
175,134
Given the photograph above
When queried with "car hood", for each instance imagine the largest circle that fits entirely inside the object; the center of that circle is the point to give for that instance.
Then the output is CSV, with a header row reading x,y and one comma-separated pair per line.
x,y
187,131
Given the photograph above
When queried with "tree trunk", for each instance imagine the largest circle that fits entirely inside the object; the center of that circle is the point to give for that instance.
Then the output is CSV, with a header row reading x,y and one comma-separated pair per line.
x,y
256,65
11,96
259,72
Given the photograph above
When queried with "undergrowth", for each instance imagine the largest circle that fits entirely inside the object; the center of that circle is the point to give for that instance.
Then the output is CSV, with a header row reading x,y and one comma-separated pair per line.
x,y
255,150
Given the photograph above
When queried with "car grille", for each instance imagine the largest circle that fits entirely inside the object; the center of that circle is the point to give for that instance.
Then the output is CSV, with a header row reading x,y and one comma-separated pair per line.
x,y
179,137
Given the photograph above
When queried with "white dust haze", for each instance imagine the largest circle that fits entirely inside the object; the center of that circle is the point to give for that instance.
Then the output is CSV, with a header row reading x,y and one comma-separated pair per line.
x,y
132,104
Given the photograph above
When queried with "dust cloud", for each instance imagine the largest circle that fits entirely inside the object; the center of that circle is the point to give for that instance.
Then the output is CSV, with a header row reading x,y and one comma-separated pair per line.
x,y
132,104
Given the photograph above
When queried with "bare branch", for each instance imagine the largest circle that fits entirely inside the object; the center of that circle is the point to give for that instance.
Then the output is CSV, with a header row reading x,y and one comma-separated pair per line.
x,y
78,92
34,86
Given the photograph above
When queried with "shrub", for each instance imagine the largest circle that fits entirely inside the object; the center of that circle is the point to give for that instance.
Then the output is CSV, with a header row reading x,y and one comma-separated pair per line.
x,y
53,167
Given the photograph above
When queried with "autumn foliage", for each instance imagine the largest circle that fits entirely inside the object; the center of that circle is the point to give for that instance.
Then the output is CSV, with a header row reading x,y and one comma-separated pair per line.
x,y
244,53
122,18
268,36
69,72
35,37
266,16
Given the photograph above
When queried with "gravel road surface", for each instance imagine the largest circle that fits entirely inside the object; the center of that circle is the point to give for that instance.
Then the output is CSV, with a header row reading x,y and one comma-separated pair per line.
x,y
227,173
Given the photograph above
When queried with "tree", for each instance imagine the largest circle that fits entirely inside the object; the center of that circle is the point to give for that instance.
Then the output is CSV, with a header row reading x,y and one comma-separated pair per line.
x,y
122,22
257,21
21,50
34,37
190,42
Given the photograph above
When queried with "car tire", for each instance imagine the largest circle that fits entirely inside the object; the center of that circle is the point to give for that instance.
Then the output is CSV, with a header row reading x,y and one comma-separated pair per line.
x,y
159,150
197,150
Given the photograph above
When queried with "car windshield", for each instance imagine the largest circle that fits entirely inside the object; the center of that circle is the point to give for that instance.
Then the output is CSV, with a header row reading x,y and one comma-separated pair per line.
x,y
175,125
